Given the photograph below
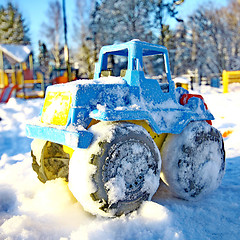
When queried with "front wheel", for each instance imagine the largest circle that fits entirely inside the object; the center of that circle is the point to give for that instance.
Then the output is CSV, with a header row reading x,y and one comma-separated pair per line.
x,y
50,160
118,172
193,162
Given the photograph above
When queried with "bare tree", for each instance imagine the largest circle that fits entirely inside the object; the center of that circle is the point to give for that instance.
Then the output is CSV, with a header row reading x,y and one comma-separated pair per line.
x,y
82,20
162,10
120,21
53,30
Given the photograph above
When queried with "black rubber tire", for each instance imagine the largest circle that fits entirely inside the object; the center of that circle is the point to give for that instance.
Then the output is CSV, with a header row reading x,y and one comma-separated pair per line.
x,y
50,161
108,157
193,162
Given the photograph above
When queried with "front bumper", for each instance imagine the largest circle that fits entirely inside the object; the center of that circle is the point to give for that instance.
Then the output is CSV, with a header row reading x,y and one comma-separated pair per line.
x,y
72,139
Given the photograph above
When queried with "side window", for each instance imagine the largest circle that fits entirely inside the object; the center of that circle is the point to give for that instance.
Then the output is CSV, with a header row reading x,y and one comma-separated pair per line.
x,y
116,66
154,68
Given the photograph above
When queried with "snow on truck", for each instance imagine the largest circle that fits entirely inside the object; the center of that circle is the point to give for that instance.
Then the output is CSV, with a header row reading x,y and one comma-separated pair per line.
x,y
112,138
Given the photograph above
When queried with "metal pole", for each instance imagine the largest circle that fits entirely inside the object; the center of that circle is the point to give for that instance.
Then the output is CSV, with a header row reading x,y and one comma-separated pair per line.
x,y
66,50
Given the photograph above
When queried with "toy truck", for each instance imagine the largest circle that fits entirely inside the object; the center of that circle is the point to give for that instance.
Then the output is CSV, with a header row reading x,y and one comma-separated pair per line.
x,y
113,137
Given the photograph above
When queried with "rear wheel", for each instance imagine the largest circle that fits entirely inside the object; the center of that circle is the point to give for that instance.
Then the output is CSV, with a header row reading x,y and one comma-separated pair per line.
x,y
118,172
50,161
193,162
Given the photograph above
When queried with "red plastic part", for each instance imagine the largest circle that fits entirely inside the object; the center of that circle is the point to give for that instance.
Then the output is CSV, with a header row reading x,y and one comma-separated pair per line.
x,y
184,100
60,79
28,74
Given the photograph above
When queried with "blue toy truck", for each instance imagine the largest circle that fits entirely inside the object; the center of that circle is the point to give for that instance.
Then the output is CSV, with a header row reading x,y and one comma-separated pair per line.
x,y
112,137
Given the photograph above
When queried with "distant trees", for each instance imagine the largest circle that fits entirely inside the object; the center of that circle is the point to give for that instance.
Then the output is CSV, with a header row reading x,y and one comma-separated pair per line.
x,y
120,21
13,29
209,41
114,21
208,32
232,17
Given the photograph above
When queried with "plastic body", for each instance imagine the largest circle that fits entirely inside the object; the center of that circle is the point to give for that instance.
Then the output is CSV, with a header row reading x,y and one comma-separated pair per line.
x,y
132,97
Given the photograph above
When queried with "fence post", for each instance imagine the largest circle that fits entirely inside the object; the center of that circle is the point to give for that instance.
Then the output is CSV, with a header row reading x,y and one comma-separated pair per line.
x,y
225,81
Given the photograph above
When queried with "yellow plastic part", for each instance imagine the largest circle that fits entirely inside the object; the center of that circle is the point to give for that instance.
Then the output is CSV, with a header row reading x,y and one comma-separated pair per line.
x,y
183,85
56,108
24,66
13,77
106,73
3,79
68,150
39,75
93,122
19,78
158,138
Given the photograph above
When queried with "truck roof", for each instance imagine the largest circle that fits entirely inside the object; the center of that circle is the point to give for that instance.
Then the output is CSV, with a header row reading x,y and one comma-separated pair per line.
x,y
122,48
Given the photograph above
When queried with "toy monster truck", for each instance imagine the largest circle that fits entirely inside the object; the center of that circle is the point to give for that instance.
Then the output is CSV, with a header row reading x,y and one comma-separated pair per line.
x,y
105,135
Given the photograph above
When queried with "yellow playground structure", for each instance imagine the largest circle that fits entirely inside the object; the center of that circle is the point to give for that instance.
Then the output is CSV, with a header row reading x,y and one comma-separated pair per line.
x,y
229,77
16,69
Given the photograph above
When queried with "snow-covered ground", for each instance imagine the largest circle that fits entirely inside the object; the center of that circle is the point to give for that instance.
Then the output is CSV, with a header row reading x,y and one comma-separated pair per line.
x,y
32,210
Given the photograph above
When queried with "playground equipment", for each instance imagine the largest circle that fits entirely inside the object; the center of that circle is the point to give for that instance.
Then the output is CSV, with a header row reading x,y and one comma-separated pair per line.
x,y
19,71
60,75
182,82
229,77
27,85
6,93
110,137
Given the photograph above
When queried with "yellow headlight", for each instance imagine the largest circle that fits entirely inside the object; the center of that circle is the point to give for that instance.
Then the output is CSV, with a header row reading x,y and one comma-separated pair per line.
x,y
56,108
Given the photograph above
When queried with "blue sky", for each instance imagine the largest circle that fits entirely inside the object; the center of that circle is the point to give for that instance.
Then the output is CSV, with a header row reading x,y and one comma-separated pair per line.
x,y
34,12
